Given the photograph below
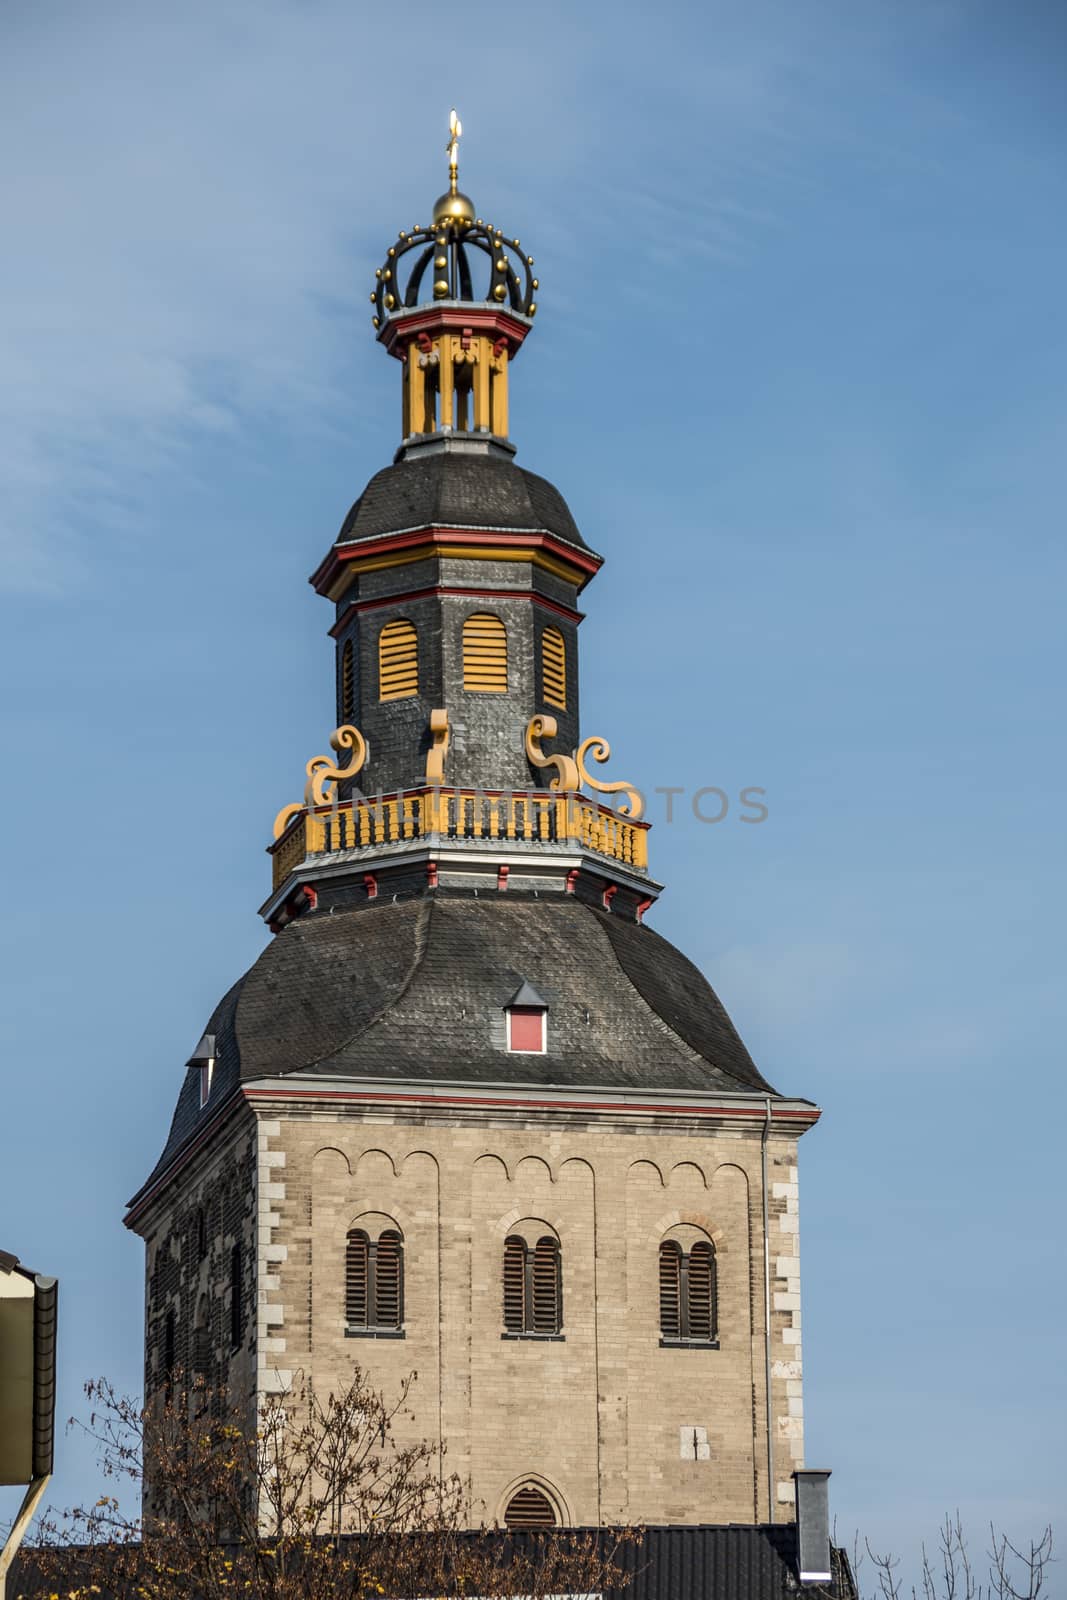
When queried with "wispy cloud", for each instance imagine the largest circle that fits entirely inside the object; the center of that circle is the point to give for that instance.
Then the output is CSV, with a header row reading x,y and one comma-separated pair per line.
x,y
191,199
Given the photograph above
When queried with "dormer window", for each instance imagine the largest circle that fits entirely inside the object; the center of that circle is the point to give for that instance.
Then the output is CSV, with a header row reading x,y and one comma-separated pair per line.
x,y
527,1016
203,1060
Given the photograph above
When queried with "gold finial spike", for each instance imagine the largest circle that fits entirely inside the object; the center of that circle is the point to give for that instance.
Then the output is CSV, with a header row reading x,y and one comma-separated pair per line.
x,y
455,132
454,210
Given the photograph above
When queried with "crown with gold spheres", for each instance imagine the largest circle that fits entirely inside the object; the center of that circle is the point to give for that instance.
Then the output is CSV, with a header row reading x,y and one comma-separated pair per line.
x,y
457,258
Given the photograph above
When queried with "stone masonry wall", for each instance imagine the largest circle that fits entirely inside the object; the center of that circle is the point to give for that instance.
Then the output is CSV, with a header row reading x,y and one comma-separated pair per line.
x,y
611,1425
188,1267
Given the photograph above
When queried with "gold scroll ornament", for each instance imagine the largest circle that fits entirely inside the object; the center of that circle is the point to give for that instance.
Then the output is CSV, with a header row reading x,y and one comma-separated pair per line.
x,y
600,750
323,774
435,755
571,771
565,767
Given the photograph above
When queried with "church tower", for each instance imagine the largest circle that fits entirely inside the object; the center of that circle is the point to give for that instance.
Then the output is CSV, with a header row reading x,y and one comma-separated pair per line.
x,y
468,1115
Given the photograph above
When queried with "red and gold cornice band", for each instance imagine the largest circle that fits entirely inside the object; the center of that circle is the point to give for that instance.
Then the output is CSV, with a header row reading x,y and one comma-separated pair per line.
x,y
466,544
403,326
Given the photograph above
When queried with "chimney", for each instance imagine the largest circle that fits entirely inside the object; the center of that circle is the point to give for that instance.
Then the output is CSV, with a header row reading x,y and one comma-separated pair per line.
x,y
813,1525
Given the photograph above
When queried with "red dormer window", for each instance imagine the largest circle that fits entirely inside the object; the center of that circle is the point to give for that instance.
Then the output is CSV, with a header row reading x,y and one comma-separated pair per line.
x,y
527,1016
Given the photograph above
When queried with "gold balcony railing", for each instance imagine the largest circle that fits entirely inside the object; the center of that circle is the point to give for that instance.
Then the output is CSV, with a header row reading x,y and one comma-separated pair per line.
x,y
538,816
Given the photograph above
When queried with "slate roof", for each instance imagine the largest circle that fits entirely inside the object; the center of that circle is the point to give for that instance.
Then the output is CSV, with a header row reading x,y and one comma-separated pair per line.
x,y
416,989
459,491
701,1562
729,1562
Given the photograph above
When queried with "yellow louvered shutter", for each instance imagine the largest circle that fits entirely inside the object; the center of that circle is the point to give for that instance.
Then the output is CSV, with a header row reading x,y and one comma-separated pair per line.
x,y
485,654
554,668
398,661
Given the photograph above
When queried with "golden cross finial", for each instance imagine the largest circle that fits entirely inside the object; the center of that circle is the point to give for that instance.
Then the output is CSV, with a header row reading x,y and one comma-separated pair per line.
x,y
455,130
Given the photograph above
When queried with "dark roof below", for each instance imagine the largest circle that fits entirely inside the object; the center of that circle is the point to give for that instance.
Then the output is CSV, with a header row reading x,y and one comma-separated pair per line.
x,y
416,989
452,490
733,1562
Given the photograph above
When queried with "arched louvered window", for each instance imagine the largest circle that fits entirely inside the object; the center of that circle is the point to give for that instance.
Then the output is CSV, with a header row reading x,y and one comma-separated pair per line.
x,y
529,1508
485,654
533,1287
688,1309
554,668
398,661
374,1281
357,1269
201,1234
202,1341
170,1340
236,1300
515,1285
348,684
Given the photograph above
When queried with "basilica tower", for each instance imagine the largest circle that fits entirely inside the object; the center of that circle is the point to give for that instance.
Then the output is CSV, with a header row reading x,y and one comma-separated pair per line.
x,y
468,1115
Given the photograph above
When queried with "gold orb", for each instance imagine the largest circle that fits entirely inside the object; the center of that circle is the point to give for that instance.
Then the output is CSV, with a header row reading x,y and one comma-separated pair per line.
x,y
440,288
377,321
440,262
377,272
500,291
391,251
529,261
502,264
390,301
534,283
531,309
454,208
387,274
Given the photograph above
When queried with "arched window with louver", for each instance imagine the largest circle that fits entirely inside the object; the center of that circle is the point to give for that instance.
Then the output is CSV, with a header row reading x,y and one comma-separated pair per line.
x,y
348,684
202,1341
533,1287
237,1331
529,1508
374,1280
688,1297
398,661
485,654
170,1341
554,669
515,1285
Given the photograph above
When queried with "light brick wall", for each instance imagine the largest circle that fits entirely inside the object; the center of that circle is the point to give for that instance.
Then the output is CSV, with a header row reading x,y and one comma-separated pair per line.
x,y
614,1426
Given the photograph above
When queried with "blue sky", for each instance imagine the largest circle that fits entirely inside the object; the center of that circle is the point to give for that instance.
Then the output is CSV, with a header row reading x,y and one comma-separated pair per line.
x,y
815,256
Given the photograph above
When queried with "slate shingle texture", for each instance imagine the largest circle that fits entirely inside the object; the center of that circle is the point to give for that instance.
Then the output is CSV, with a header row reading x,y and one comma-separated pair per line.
x,y
457,491
416,989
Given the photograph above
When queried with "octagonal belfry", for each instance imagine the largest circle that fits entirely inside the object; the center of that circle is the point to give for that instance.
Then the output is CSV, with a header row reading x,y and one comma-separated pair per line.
x,y
467,1113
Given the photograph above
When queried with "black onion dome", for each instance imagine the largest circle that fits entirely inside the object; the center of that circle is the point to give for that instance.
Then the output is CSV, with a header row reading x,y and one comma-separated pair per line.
x,y
452,490
459,259
411,990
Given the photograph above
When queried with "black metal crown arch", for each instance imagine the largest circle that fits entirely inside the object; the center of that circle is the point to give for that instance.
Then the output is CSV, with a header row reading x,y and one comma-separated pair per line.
x,y
456,254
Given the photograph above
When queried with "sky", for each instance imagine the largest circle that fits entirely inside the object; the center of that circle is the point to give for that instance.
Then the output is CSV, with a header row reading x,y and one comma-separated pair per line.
x,y
797,369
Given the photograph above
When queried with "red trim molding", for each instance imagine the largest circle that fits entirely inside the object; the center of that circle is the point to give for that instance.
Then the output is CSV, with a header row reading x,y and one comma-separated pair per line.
x,y
583,561
404,325
461,594
754,1113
